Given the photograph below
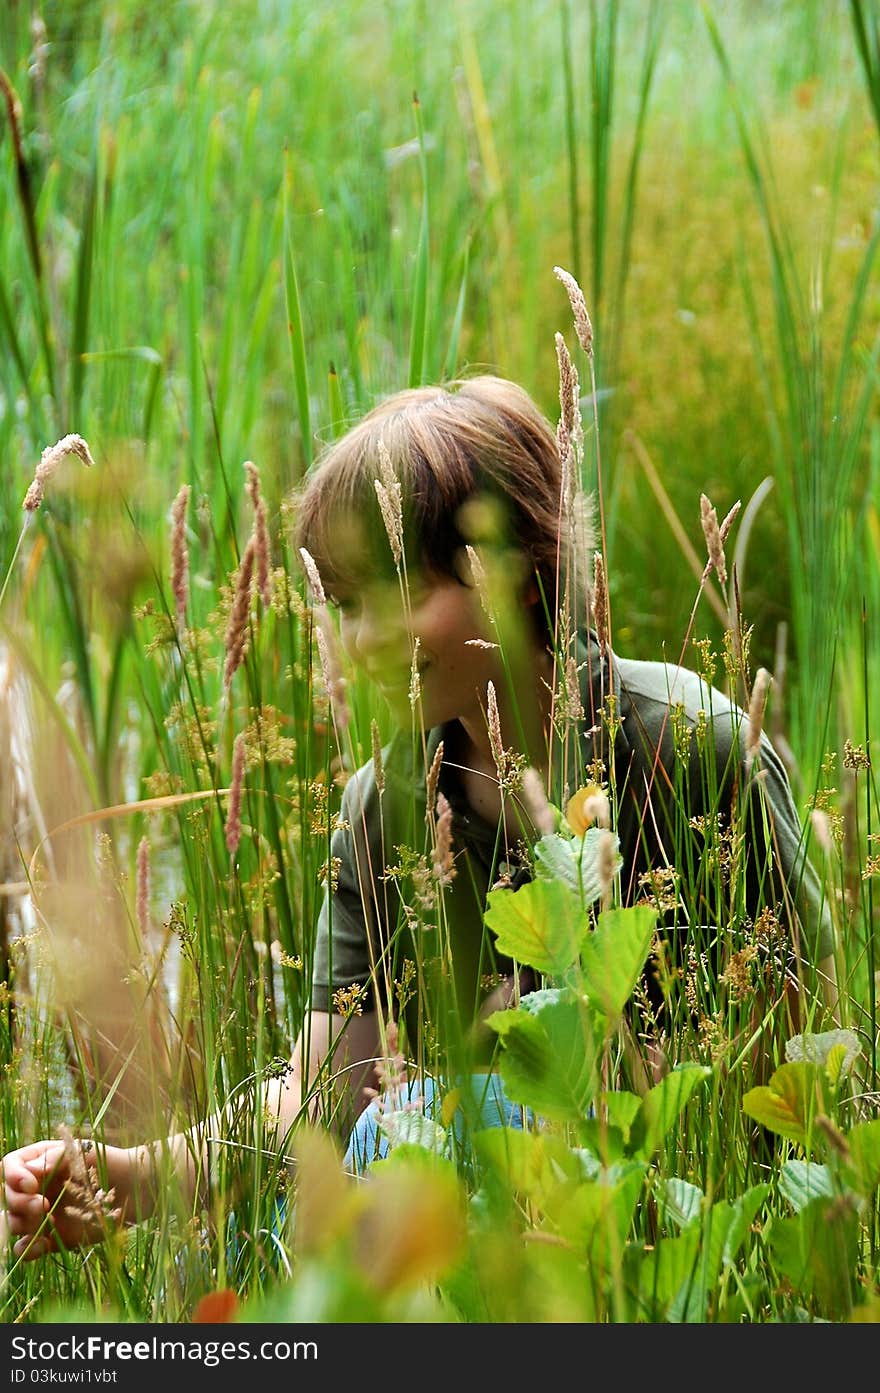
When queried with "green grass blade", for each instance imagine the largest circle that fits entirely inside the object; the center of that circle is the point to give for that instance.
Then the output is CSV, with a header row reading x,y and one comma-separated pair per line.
x,y
295,328
420,283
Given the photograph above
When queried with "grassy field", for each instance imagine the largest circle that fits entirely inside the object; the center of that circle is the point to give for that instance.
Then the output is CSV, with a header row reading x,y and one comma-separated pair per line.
x,y
226,231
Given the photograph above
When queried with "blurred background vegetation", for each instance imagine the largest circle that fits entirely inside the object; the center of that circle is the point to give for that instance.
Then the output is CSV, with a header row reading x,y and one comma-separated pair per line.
x,y
173,152
226,229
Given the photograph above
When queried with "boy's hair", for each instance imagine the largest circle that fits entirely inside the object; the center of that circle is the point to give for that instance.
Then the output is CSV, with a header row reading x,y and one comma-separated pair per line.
x,y
481,439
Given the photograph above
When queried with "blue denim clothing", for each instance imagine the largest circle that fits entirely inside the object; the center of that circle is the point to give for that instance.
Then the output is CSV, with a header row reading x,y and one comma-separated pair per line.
x,y
482,1103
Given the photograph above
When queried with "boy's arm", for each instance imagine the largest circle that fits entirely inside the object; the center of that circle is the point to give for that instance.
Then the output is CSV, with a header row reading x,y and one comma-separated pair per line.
x,y
46,1177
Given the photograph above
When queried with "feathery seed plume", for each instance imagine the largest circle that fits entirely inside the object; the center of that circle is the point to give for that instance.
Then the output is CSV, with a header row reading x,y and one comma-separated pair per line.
x,y
494,724
233,813
179,554
822,828
432,779
535,799
714,539
142,881
389,496
582,325
728,521
569,390
478,574
415,677
237,624
331,669
378,767
444,864
314,576
756,713
261,533
49,462
607,863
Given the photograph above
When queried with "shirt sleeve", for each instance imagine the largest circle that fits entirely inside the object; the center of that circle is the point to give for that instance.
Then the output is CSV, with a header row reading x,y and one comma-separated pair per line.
x,y
342,942
785,834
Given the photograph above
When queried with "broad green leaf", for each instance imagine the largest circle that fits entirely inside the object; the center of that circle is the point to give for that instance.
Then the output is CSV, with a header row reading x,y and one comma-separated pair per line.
x,y
596,1215
836,1050
744,1211
663,1105
579,862
788,1103
542,925
604,1142
662,1272
862,1171
692,1298
413,1128
533,1164
614,955
623,1109
803,1181
548,1059
817,1251
680,1201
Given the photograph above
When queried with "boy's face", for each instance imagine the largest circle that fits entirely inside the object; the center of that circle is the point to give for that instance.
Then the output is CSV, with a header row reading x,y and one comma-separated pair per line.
x,y
380,633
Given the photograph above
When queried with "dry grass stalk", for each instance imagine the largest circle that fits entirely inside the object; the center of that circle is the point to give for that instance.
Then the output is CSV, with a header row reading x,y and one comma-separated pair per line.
x,y
239,615
582,325
599,603
233,814
260,533
49,462
180,555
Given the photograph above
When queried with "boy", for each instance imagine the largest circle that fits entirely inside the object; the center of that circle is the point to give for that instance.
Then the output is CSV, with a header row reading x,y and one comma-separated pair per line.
x,y
446,529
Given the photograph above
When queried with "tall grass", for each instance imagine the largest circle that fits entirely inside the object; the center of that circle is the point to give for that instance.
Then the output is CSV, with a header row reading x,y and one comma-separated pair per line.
x,y
221,240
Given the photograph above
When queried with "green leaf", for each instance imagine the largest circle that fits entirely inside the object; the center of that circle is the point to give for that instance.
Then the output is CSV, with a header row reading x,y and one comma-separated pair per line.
x,y
595,1216
663,1271
577,861
787,1104
817,1251
533,1164
623,1109
614,955
803,1181
541,925
862,1171
548,1059
413,1129
680,1201
662,1106
744,1211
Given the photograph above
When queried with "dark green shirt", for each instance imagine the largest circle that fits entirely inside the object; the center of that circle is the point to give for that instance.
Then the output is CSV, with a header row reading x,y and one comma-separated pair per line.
x,y
673,753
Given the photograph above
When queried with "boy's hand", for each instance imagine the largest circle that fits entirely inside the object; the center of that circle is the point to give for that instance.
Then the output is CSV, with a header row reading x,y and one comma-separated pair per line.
x,y
52,1198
